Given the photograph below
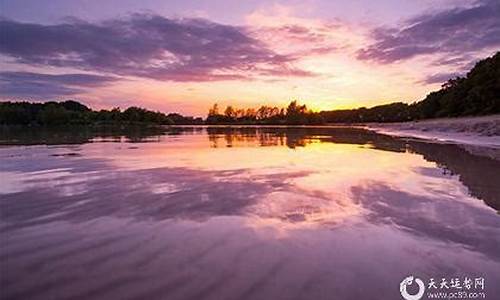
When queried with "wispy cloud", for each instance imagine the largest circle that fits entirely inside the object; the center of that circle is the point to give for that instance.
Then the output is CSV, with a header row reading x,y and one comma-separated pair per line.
x,y
281,28
299,41
148,46
42,86
439,78
456,32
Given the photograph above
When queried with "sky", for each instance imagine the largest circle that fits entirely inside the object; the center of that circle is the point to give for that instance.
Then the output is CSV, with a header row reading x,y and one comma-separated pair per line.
x,y
183,56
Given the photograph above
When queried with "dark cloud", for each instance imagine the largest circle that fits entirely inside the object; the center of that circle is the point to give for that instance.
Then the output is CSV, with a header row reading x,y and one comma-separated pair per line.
x,y
459,31
26,84
148,46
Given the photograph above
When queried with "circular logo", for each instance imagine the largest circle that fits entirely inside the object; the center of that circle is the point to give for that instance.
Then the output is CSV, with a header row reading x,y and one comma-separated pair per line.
x,y
408,281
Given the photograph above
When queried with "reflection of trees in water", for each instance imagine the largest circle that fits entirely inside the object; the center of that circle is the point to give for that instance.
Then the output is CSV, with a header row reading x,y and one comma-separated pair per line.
x,y
244,136
291,137
86,134
294,137
478,173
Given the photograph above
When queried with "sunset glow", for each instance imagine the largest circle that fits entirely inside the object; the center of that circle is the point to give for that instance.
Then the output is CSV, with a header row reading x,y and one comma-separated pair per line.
x,y
172,56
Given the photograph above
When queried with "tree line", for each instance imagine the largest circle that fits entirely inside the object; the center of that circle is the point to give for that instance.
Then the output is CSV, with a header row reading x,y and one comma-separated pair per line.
x,y
294,113
478,93
74,113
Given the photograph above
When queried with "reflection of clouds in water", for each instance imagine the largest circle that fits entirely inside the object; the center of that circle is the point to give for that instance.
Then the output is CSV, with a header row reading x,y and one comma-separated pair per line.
x,y
307,217
304,148
164,188
270,201
289,185
143,194
62,180
446,219
316,185
293,208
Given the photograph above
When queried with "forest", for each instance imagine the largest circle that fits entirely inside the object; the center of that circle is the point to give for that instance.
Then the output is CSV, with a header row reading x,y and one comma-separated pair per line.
x,y
74,113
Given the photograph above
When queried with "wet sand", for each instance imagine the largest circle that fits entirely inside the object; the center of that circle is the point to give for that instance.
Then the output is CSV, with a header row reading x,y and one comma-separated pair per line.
x,y
472,131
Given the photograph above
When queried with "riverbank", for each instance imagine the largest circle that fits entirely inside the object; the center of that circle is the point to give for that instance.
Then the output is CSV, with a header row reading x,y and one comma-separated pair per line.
x,y
478,135
479,131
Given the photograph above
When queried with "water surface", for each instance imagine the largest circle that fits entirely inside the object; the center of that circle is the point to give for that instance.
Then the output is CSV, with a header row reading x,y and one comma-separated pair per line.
x,y
241,213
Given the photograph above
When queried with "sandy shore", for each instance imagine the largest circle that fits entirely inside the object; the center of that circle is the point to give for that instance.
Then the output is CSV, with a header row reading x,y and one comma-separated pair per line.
x,y
475,131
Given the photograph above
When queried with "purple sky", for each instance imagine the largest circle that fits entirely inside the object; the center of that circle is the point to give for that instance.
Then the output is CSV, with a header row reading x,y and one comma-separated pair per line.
x,y
186,55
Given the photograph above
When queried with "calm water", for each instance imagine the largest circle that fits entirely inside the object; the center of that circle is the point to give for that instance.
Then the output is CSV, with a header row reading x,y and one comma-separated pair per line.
x,y
241,213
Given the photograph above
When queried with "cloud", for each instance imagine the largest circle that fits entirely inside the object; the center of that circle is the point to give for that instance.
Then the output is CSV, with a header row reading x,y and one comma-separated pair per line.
x,y
283,29
458,31
36,85
298,33
299,41
439,78
148,46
